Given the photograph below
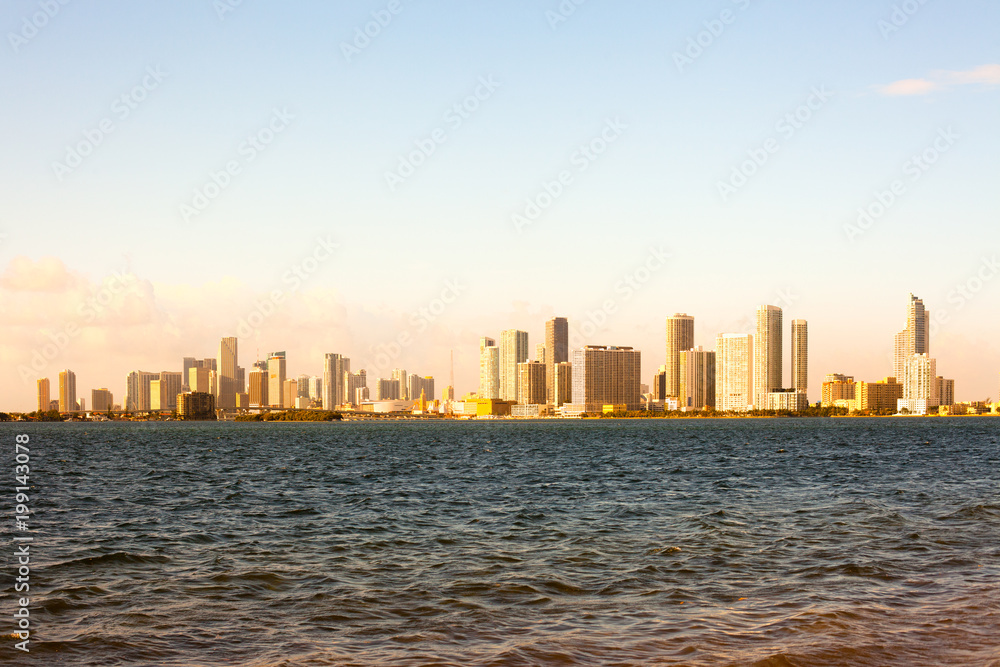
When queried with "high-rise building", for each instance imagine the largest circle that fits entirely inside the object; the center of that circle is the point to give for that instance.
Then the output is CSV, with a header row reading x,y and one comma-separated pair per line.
x,y
734,369
920,386
353,382
101,400
489,368
289,391
154,395
137,391
186,365
945,391
800,357
302,391
680,336
400,376
513,350
316,388
276,379
259,385
241,380
697,373
334,367
660,384
44,394
67,391
562,385
169,387
914,339
556,352
767,366
418,385
200,380
606,375
531,383
386,390
226,373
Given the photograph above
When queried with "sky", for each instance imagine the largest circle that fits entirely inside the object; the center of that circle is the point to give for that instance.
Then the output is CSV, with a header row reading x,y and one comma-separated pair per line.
x,y
392,180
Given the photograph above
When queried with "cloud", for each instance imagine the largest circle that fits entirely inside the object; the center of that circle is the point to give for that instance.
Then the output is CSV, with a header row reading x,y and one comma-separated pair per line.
x,y
48,274
985,75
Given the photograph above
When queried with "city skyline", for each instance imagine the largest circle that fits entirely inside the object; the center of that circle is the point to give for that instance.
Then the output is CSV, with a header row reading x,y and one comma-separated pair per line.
x,y
745,371
471,169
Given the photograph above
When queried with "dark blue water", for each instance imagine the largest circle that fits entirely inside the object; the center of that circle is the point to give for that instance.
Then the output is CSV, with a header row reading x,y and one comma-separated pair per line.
x,y
775,542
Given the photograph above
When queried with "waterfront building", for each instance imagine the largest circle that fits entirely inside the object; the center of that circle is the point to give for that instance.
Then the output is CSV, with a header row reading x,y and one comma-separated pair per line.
x,y
513,351
734,369
767,354
605,375
679,337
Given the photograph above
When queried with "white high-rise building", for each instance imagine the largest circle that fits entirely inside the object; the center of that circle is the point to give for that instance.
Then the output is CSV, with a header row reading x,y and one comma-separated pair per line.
x,y
914,339
226,369
680,336
334,367
697,373
400,376
489,368
513,350
767,366
800,356
734,367
920,381
276,379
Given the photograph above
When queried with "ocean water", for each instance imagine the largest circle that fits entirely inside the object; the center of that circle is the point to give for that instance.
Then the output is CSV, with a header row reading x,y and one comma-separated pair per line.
x,y
695,542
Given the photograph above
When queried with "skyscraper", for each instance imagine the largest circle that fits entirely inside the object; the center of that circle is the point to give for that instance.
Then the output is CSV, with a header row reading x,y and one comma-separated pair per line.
x,y
800,356
137,390
44,394
334,366
259,385
531,383
680,336
513,350
227,373
556,352
562,386
767,366
914,339
489,368
606,375
734,368
402,378
170,386
276,379
697,372
67,391
101,400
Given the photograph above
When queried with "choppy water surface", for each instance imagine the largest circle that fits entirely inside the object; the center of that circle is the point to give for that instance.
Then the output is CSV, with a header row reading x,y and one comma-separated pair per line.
x,y
777,542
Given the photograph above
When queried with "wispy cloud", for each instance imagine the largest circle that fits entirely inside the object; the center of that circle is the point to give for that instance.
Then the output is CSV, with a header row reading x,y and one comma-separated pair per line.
x,y
984,75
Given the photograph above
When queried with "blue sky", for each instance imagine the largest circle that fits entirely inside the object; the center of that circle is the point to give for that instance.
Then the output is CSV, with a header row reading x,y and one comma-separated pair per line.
x,y
555,87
